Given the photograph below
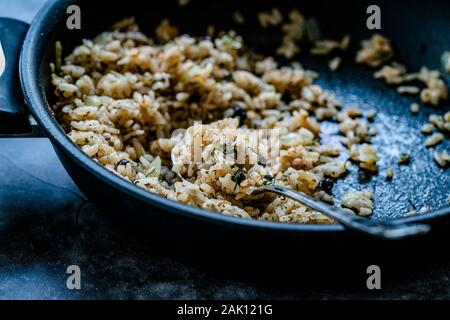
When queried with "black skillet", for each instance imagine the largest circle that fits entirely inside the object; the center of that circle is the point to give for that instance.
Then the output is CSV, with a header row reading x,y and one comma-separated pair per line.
x,y
419,31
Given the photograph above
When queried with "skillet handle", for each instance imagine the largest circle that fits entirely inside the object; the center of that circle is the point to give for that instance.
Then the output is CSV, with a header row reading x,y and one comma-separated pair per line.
x,y
14,118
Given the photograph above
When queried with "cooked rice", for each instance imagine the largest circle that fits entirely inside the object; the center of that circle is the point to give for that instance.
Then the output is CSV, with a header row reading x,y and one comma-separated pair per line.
x,y
325,46
408,90
334,63
375,51
238,17
442,158
293,33
389,173
427,128
446,61
435,90
442,123
392,74
434,139
360,201
139,106
271,18
414,108
120,98
366,155
183,2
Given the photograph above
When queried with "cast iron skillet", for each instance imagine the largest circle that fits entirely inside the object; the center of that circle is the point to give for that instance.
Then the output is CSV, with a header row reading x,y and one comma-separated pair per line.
x,y
418,29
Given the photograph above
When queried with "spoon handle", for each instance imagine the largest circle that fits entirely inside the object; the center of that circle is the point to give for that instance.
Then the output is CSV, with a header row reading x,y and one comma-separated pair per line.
x,y
380,229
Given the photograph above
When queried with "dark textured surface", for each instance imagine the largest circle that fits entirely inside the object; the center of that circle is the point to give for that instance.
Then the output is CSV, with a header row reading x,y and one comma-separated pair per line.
x,y
46,225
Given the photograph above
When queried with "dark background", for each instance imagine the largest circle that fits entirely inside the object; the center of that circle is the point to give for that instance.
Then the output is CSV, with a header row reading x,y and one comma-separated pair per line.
x,y
46,224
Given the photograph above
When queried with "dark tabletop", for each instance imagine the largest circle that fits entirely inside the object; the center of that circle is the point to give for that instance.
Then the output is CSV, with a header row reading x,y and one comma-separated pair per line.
x,y
46,225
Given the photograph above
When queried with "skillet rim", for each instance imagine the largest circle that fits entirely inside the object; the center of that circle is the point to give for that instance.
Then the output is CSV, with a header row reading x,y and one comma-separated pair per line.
x,y
35,97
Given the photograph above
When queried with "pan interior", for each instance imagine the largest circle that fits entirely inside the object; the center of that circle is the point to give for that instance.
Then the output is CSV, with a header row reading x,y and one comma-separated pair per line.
x,y
419,32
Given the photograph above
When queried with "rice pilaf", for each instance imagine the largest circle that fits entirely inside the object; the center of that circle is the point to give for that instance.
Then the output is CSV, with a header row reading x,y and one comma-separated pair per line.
x,y
139,106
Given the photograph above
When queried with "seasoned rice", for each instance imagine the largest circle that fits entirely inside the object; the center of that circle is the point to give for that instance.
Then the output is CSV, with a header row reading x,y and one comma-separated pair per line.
x,y
141,106
375,51
434,139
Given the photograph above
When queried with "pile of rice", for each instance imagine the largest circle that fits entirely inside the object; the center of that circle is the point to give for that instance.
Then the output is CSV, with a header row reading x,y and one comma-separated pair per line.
x,y
140,106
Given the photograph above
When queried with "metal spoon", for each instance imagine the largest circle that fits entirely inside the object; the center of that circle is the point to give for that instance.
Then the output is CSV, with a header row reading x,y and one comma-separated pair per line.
x,y
379,229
